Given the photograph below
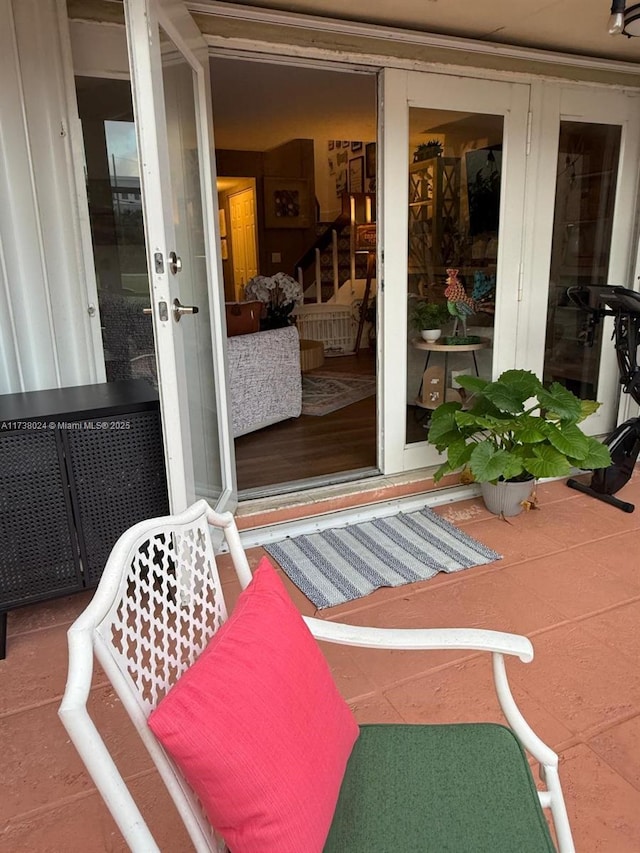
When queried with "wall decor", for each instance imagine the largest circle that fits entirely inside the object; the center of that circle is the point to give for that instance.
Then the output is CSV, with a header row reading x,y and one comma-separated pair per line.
x,y
341,182
356,146
484,168
331,144
287,203
370,159
356,175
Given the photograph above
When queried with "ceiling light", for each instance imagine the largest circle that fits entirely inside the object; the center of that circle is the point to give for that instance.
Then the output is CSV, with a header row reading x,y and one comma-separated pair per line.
x,y
617,17
632,20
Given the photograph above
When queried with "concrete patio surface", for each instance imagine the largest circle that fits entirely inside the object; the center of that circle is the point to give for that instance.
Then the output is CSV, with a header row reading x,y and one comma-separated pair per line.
x,y
569,579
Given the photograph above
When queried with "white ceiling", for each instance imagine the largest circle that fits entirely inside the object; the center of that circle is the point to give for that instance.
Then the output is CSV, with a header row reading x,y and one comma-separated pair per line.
x,y
568,26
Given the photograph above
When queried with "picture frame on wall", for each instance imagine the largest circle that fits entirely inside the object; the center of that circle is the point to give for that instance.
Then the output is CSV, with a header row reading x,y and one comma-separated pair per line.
x,y
356,175
287,203
356,146
370,159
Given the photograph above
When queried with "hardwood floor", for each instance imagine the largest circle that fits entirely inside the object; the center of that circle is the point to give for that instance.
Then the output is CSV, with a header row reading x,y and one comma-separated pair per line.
x,y
307,447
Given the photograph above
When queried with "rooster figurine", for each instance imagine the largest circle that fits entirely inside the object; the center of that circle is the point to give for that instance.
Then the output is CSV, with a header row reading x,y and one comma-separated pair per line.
x,y
460,304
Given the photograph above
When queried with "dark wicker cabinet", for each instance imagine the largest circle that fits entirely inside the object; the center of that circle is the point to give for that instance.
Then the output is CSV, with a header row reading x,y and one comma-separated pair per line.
x,y
78,466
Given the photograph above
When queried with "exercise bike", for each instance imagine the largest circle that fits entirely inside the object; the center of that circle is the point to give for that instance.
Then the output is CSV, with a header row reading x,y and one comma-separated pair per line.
x,y
624,441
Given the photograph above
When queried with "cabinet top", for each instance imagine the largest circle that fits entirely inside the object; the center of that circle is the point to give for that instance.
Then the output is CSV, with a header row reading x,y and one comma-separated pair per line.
x,y
80,401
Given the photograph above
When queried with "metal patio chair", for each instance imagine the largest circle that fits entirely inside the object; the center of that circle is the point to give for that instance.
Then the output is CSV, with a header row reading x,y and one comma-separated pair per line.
x,y
158,604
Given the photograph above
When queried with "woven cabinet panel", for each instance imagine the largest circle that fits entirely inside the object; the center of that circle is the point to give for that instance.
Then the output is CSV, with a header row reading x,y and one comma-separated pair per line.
x,y
117,478
38,550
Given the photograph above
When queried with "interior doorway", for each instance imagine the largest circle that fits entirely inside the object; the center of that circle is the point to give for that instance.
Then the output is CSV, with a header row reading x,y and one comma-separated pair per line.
x,y
305,143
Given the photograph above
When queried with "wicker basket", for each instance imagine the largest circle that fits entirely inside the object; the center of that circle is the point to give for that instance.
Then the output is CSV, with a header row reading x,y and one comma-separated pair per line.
x,y
311,355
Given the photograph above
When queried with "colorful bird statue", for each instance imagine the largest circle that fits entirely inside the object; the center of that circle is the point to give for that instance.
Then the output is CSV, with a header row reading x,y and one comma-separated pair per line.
x,y
460,305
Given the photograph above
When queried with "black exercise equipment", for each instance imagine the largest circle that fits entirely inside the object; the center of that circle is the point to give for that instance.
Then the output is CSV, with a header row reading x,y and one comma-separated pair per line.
x,y
624,442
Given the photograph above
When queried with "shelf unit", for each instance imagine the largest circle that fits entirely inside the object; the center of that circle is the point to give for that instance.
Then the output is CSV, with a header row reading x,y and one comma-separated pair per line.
x,y
434,217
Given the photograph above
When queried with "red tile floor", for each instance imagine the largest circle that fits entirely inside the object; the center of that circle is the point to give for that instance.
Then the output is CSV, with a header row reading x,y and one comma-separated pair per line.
x,y
569,579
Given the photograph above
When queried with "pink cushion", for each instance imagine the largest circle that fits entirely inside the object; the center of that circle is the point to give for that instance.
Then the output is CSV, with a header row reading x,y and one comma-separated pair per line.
x,y
258,727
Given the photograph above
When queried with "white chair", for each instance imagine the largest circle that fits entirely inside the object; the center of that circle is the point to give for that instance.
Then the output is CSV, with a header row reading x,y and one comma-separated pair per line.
x,y
158,604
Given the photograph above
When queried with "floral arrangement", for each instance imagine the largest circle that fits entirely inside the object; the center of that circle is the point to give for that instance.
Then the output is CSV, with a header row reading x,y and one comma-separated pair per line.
x,y
280,294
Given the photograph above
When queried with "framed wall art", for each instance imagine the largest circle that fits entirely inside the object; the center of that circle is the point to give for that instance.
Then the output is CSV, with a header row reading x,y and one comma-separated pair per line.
x,y
287,203
356,175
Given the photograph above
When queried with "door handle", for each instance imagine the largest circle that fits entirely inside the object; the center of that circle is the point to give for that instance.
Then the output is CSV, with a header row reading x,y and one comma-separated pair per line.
x,y
180,310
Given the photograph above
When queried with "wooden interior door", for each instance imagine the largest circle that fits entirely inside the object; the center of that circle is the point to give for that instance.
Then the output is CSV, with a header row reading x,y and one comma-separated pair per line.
x,y
242,206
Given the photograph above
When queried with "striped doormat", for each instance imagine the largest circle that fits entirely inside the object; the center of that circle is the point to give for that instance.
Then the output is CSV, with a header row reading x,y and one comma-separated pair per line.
x,y
338,565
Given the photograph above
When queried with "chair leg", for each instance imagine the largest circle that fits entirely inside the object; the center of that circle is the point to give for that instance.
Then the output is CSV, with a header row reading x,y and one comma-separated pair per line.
x,y
3,634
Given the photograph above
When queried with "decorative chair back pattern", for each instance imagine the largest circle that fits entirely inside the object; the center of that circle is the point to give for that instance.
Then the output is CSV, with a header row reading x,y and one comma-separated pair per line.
x,y
159,603
168,607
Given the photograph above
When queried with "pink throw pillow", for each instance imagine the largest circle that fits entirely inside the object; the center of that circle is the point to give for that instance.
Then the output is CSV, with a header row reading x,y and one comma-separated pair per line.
x,y
258,727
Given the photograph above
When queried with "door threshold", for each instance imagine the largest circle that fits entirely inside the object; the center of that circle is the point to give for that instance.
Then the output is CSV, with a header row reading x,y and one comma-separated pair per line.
x,y
361,495
285,528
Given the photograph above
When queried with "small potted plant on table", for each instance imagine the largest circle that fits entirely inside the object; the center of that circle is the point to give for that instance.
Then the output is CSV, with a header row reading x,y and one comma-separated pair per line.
x,y
512,432
428,318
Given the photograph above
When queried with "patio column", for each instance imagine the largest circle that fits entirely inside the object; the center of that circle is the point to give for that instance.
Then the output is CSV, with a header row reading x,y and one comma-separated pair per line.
x,y
47,338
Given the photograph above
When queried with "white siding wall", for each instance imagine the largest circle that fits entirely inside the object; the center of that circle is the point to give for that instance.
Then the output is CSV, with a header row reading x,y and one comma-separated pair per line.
x,y
47,337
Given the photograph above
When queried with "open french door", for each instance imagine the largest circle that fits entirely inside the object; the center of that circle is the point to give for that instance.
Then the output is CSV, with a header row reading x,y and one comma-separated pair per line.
x,y
172,107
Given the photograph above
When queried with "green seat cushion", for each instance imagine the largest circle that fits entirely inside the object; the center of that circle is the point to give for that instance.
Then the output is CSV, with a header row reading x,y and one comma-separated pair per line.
x,y
464,788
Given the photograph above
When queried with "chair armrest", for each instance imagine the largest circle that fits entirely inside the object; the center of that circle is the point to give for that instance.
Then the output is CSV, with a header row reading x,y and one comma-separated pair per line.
x,y
421,638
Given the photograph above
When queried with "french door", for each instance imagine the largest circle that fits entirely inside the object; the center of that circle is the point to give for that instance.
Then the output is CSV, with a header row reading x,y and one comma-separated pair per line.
x,y
172,107
454,165
581,216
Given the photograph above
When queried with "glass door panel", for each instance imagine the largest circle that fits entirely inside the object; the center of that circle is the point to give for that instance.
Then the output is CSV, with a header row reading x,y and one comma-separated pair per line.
x,y
455,173
179,86
172,109
588,162
454,167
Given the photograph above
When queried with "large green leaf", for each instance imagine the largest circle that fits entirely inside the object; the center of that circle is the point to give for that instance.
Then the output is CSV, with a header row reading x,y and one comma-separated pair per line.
x,y
569,440
597,456
443,421
546,461
459,452
561,401
471,419
525,381
471,383
487,463
588,407
505,397
528,429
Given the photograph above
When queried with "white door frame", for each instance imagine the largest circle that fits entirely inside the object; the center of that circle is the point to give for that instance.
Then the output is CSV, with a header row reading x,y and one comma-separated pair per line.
x,y
142,20
551,104
401,90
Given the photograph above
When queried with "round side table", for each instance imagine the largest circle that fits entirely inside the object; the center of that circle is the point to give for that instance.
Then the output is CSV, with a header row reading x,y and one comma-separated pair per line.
x,y
419,344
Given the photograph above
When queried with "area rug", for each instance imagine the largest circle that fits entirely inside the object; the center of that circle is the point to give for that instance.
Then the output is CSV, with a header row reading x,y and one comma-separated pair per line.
x,y
327,392
338,565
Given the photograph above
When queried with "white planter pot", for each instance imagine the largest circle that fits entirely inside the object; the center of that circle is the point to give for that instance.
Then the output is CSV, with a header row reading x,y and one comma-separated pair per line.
x,y
506,498
431,335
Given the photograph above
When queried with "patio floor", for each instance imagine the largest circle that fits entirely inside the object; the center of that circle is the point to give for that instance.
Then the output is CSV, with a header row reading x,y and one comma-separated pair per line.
x,y
569,579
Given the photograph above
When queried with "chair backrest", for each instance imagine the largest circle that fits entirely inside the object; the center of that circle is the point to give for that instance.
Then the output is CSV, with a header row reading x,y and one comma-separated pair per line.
x,y
158,604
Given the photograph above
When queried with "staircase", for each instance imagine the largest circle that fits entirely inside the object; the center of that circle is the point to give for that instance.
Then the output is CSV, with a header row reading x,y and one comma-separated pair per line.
x,y
332,259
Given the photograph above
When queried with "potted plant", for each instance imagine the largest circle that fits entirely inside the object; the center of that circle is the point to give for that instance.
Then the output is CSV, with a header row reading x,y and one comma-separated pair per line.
x,y
514,430
428,149
428,318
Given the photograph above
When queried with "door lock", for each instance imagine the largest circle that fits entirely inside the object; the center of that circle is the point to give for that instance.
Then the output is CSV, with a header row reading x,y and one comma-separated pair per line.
x,y
175,263
179,310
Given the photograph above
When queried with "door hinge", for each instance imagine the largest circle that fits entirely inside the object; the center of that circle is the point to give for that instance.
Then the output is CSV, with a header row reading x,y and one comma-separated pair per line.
x,y
520,281
529,122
